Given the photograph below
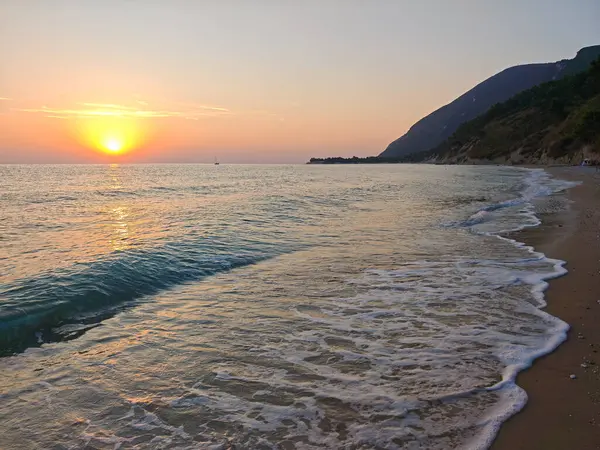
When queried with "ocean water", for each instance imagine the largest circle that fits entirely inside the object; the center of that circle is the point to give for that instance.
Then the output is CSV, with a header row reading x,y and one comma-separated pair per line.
x,y
268,307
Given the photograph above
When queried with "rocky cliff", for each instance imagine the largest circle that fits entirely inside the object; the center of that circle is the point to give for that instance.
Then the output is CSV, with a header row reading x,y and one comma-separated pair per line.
x,y
430,131
555,122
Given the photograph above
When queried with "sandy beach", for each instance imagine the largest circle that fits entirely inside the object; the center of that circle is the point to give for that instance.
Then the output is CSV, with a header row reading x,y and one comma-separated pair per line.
x,y
563,412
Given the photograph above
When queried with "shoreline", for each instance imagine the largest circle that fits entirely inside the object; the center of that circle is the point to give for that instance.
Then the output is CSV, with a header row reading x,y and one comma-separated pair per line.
x,y
564,413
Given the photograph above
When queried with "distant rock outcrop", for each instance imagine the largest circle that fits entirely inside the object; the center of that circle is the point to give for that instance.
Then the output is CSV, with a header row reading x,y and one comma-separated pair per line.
x,y
433,129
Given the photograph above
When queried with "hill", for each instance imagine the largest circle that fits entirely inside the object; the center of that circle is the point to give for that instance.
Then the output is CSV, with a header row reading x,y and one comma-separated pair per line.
x,y
433,129
555,122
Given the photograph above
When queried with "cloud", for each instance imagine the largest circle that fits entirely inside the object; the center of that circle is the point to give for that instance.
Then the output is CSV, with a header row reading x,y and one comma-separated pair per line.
x,y
195,106
5,98
88,109
107,106
142,110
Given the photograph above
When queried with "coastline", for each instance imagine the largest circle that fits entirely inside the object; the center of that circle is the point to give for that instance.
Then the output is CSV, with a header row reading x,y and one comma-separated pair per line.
x,y
564,413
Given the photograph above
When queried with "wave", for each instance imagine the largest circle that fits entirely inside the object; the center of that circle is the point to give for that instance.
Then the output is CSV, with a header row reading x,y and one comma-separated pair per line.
x,y
60,305
416,353
537,184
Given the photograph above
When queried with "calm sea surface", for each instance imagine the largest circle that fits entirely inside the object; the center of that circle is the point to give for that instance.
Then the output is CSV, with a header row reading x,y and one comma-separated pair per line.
x,y
259,307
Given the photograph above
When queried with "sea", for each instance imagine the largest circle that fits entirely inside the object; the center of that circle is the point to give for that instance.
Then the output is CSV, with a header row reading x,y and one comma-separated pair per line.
x,y
269,306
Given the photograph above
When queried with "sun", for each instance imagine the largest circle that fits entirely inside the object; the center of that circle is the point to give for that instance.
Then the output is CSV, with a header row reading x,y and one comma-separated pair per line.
x,y
112,136
113,145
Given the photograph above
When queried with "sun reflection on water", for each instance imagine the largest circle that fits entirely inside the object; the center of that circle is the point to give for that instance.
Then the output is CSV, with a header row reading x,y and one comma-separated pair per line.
x,y
114,172
119,215
120,237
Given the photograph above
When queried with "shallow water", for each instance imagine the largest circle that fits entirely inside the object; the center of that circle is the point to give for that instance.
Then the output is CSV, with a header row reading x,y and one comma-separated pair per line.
x,y
189,306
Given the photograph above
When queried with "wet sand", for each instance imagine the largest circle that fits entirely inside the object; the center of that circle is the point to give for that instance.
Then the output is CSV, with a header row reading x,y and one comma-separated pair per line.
x,y
564,413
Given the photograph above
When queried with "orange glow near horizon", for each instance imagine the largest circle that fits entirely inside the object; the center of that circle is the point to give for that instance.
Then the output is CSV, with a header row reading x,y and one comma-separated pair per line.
x,y
117,129
113,135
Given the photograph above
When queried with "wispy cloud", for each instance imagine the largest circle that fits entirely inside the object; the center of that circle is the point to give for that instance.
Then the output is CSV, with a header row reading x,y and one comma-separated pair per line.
x,y
88,109
108,106
5,98
196,106
140,109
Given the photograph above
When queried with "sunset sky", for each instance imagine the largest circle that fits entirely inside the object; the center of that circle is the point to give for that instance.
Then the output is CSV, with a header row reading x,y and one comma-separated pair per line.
x,y
254,81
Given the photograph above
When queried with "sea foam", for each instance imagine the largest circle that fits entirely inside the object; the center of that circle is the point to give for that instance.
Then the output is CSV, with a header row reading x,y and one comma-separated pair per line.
x,y
537,184
343,315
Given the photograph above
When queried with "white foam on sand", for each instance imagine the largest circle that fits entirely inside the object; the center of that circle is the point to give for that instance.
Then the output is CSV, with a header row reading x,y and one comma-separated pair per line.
x,y
422,356
538,184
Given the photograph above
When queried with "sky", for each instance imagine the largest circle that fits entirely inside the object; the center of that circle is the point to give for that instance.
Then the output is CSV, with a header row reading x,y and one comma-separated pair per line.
x,y
254,81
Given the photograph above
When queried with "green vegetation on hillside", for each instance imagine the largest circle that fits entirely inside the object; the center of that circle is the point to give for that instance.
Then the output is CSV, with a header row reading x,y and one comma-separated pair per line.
x,y
433,129
553,120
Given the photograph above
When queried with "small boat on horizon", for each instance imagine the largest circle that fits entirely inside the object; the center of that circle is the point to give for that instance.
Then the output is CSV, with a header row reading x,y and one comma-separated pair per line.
x,y
216,162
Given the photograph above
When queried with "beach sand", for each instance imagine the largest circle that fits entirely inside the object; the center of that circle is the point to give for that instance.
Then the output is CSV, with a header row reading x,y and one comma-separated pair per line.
x,y
564,413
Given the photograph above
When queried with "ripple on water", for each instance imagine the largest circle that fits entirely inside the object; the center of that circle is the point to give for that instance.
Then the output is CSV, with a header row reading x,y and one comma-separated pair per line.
x,y
401,334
